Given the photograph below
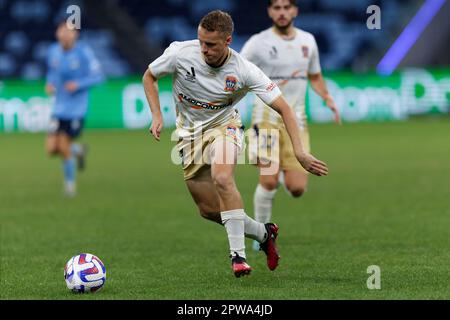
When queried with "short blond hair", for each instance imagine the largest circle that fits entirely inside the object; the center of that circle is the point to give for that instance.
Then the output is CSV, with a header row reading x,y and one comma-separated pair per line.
x,y
218,20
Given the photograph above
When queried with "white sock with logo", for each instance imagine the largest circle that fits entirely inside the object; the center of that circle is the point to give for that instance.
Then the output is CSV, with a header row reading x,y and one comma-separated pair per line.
x,y
255,230
263,200
234,222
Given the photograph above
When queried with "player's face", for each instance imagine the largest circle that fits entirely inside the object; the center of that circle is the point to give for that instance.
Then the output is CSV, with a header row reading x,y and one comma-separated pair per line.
x,y
214,45
282,13
66,37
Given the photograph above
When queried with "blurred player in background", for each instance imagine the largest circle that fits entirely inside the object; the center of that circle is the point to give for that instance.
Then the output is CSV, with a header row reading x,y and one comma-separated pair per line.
x,y
72,70
289,56
209,78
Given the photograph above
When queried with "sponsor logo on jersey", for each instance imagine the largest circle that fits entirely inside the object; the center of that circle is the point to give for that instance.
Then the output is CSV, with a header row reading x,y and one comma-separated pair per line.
x,y
195,104
190,76
305,51
231,83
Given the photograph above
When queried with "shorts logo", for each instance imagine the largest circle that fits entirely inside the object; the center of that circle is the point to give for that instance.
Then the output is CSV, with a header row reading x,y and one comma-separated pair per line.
x,y
305,51
231,132
231,84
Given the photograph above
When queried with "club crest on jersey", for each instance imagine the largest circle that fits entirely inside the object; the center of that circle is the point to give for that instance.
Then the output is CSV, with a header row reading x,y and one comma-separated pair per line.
x,y
305,51
231,83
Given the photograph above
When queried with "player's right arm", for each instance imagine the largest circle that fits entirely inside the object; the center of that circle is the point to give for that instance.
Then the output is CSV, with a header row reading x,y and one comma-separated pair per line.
x,y
165,64
51,76
152,93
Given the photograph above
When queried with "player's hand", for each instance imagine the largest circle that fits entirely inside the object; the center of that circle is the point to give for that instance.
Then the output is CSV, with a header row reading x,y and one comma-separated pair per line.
x,y
312,164
333,107
50,89
156,128
71,86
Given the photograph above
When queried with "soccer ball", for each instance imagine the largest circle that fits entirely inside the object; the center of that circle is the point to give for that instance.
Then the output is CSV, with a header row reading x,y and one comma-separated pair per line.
x,y
84,273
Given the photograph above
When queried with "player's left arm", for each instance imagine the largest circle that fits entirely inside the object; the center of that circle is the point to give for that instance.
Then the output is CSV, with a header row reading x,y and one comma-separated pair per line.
x,y
268,91
308,161
91,70
319,86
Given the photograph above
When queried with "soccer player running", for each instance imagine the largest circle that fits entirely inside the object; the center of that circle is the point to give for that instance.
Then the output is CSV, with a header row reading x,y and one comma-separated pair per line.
x,y
72,70
209,78
289,56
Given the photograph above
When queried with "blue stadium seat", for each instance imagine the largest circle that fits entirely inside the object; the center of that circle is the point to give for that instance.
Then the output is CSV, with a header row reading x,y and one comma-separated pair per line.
x,y
7,65
40,51
32,71
16,42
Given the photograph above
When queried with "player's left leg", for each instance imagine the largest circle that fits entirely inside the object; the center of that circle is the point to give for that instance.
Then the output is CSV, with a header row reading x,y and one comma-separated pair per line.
x,y
79,151
69,130
205,195
237,223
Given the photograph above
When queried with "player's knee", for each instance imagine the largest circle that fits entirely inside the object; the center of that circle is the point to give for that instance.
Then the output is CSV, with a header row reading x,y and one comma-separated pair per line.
x,y
296,191
211,215
269,184
52,150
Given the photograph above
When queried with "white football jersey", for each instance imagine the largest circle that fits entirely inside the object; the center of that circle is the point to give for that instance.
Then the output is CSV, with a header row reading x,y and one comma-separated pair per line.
x,y
205,96
286,62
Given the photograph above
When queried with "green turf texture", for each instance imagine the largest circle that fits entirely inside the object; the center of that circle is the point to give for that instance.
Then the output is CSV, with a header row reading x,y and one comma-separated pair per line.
x,y
386,202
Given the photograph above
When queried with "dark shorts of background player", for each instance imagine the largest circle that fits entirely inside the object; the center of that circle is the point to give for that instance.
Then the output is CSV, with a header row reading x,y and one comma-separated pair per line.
x,y
73,128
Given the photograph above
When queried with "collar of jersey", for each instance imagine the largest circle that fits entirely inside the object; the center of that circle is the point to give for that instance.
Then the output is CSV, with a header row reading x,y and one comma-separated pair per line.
x,y
291,39
230,53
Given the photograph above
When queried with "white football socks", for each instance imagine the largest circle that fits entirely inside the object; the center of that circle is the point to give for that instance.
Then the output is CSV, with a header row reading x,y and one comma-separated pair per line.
x,y
263,200
234,222
255,230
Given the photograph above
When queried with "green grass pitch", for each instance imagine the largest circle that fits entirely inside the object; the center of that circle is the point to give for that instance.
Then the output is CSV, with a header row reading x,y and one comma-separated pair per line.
x,y
386,202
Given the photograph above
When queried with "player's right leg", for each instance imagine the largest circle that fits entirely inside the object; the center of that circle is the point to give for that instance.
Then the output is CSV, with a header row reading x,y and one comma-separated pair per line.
x,y
51,144
203,191
223,163
204,194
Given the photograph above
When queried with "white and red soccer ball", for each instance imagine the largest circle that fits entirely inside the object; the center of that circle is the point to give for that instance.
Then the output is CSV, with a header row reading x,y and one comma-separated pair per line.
x,y
84,273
